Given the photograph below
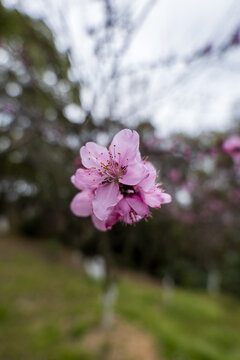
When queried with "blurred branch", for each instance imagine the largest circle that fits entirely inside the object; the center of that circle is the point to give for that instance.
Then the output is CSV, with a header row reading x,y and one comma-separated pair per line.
x,y
109,55
129,38
118,55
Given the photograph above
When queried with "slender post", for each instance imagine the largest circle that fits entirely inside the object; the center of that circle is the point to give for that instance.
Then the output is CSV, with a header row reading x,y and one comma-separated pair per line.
x,y
109,286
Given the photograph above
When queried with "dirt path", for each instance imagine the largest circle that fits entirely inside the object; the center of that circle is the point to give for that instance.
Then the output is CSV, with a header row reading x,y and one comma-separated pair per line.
x,y
123,342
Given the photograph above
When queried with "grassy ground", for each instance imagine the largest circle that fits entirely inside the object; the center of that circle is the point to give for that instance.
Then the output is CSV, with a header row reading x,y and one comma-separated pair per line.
x,y
44,309
190,326
47,308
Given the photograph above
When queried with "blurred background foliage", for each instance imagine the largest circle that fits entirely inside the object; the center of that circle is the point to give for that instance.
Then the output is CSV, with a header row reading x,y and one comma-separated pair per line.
x,y
195,241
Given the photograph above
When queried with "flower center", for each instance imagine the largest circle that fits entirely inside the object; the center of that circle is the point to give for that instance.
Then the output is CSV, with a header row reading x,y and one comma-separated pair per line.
x,y
111,171
127,190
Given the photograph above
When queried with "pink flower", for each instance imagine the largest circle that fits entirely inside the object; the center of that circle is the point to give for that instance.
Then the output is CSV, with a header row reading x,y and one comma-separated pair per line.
x,y
116,184
232,147
189,186
149,190
216,206
175,175
78,162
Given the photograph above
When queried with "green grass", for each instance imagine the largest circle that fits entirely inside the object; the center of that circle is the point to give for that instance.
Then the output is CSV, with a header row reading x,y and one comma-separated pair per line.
x,y
46,308
190,326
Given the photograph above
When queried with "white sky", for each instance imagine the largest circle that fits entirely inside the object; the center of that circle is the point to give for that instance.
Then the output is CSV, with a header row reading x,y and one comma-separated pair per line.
x,y
202,101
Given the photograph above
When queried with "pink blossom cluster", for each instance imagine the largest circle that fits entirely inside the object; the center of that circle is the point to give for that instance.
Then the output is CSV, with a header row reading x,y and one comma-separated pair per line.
x,y
232,147
116,183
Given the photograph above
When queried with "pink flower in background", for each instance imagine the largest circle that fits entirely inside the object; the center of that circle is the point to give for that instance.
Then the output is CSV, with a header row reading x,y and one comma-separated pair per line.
x,y
175,175
115,183
216,206
214,151
78,162
189,186
232,147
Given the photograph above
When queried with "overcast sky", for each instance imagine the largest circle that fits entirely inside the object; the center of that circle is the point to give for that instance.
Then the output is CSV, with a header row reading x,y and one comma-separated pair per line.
x,y
203,99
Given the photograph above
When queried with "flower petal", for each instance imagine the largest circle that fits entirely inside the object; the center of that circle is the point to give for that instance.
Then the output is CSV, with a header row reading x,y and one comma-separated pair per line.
x,y
93,154
124,147
106,197
99,224
135,173
112,219
106,225
155,197
127,214
149,180
86,178
81,204
138,206
165,198
123,208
